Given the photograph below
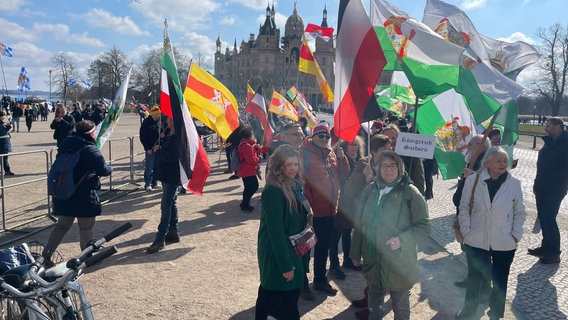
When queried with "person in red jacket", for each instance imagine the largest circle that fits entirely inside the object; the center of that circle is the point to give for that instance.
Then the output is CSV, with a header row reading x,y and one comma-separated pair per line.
x,y
323,169
248,154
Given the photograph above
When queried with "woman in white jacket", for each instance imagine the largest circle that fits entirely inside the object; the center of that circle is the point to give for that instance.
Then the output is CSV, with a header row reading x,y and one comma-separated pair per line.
x,y
492,225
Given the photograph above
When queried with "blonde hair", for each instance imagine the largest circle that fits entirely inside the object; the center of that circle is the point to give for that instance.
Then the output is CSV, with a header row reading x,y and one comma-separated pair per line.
x,y
276,177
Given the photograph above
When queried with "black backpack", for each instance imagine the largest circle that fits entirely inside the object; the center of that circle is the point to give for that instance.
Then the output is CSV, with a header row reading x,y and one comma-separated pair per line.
x,y
60,179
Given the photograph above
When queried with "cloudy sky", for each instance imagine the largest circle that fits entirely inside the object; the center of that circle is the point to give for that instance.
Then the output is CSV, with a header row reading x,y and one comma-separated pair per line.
x,y
36,30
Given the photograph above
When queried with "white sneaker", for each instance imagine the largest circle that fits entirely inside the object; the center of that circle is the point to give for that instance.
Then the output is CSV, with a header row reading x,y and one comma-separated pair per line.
x,y
148,188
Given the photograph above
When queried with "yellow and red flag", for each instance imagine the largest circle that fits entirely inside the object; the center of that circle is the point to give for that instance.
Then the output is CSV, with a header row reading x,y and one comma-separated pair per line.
x,y
250,92
211,102
308,64
279,105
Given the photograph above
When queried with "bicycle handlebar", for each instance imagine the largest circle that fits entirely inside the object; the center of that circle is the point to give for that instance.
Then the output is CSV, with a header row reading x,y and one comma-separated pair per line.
x,y
100,256
96,245
74,266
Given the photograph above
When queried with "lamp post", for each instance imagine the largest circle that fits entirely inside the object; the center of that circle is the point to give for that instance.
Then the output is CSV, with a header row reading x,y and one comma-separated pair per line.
x,y
534,121
49,85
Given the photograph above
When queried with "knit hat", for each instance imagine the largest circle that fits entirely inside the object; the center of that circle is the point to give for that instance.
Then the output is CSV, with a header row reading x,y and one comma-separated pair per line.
x,y
155,111
321,127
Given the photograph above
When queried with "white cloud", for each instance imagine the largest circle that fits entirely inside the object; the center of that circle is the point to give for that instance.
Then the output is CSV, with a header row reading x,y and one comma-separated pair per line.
x,y
61,32
255,4
100,18
195,44
13,31
519,36
228,20
181,15
12,5
473,4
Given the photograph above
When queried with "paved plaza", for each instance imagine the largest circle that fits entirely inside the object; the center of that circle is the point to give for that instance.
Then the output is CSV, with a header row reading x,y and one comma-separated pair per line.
x,y
213,274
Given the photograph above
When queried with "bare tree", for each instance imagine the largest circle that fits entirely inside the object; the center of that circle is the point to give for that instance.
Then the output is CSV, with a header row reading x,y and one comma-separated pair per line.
x,y
146,77
64,70
98,75
117,66
553,65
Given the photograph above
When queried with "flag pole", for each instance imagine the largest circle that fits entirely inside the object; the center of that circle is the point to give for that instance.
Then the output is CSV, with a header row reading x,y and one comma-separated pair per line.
x,y
3,76
485,135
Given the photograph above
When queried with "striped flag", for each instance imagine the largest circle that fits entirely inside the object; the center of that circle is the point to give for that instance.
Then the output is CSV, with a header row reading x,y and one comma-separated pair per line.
x,y
193,162
359,62
250,92
316,31
211,102
106,127
257,106
308,64
279,105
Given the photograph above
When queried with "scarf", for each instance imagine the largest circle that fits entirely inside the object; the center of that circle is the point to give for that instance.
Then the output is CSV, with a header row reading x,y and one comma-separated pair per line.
x,y
298,192
384,189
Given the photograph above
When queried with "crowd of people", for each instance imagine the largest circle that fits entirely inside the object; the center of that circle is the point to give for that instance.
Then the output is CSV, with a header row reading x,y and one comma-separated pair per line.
x,y
370,199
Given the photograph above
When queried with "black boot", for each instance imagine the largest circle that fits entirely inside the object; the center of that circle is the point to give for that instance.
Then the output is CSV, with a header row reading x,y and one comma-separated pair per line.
x,y
172,236
156,246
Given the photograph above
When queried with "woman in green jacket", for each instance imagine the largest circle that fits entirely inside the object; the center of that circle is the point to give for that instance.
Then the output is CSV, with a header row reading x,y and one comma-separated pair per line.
x,y
393,219
284,213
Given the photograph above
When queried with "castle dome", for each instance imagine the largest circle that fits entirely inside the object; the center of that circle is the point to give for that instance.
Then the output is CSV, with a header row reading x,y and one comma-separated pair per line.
x,y
294,22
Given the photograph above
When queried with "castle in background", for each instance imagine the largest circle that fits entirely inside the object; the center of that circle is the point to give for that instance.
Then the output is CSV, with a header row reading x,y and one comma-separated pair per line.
x,y
272,62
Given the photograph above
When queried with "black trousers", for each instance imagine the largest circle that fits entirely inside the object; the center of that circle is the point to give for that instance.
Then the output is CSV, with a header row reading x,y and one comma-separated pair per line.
x,y
483,265
251,185
345,236
282,305
323,227
547,206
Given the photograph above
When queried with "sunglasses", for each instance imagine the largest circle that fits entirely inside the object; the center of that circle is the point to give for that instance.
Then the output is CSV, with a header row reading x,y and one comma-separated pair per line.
x,y
323,136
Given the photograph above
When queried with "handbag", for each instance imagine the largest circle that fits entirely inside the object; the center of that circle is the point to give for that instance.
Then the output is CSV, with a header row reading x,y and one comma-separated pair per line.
x,y
304,241
457,230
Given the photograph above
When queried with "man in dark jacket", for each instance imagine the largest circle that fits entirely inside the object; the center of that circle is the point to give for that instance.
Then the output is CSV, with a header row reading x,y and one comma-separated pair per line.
x,y
84,204
17,113
63,124
166,170
550,187
150,138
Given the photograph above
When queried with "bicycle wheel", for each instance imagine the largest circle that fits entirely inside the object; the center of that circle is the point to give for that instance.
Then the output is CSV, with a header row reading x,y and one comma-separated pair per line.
x,y
11,309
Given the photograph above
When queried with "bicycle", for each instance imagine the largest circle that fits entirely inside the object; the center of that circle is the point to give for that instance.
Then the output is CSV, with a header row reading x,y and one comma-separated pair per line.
x,y
33,292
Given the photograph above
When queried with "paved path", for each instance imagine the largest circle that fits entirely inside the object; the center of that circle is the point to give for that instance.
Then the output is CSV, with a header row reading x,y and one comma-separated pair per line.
x,y
212,273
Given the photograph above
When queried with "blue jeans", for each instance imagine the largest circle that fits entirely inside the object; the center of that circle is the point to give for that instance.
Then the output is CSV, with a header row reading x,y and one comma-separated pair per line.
x,y
16,122
168,208
150,159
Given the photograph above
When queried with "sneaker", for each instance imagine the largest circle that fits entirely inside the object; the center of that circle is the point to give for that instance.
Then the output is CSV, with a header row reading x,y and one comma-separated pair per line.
x,y
307,294
9,173
148,188
156,246
537,252
156,186
550,259
233,177
337,272
325,287
228,171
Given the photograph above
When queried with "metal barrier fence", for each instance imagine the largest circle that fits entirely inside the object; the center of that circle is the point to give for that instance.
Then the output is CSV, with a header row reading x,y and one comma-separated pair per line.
x,y
26,207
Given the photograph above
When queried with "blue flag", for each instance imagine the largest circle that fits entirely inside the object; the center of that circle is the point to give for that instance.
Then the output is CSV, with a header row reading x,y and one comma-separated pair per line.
x,y
5,50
